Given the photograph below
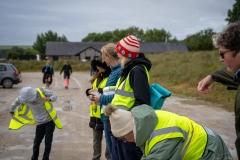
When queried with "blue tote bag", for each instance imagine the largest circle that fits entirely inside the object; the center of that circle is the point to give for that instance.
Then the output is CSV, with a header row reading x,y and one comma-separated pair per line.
x,y
158,95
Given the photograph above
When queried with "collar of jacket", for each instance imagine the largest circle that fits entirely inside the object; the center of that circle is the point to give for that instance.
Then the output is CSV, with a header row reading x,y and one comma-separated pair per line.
x,y
236,77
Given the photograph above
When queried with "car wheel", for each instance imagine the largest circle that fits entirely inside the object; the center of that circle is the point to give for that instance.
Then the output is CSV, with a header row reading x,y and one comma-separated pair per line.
x,y
7,83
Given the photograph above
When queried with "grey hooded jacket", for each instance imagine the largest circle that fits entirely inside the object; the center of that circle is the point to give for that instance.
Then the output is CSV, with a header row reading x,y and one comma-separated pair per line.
x,y
33,100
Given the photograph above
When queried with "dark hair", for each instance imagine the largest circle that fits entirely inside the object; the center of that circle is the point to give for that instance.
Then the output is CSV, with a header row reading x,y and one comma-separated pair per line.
x,y
229,38
98,63
94,65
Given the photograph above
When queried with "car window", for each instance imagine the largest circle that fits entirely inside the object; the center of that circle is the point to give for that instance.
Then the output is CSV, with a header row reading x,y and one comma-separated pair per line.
x,y
13,68
3,68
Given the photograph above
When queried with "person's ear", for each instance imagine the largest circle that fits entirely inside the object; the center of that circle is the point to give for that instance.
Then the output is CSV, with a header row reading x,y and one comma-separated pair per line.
x,y
107,56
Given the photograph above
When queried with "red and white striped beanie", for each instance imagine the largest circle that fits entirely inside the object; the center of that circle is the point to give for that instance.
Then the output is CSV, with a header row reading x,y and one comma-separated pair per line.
x,y
128,47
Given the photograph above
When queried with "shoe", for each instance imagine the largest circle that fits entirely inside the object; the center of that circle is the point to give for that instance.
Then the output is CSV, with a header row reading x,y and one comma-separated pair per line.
x,y
66,87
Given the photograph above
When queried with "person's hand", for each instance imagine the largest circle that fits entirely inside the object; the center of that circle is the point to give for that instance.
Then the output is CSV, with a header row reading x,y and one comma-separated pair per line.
x,y
91,97
203,85
92,90
45,99
97,98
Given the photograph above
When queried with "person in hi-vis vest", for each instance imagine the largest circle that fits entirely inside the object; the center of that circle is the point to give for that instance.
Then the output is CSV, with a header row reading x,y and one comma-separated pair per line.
x,y
131,90
110,57
35,107
165,135
98,82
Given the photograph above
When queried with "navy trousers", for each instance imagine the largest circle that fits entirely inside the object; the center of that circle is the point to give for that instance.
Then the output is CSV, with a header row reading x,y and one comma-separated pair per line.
x,y
105,121
43,130
125,150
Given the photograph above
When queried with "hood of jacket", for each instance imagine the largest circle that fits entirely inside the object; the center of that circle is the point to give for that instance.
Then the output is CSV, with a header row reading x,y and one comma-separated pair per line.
x,y
28,94
141,59
145,120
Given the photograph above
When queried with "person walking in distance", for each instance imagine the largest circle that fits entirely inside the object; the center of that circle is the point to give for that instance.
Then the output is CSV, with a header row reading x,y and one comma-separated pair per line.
x,y
48,73
67,72
35,106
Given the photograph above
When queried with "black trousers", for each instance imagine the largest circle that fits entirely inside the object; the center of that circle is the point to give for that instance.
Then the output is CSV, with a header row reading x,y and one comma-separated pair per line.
x,y
42,130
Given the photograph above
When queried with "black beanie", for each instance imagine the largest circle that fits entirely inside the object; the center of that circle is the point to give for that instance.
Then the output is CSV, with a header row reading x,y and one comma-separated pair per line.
x,y
98,63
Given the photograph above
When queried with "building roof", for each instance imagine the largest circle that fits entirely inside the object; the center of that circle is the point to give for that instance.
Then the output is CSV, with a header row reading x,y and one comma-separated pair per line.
x,y
74,48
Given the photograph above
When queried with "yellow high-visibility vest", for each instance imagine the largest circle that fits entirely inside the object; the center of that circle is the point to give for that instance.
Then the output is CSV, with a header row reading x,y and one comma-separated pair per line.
x,y
24,116
95,109
124,94
194,136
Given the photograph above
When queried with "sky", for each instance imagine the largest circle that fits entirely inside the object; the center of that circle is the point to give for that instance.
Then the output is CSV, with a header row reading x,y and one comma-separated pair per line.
x,y
22,20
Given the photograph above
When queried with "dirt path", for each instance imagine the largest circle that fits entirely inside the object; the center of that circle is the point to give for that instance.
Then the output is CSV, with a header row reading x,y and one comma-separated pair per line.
x,y
74,141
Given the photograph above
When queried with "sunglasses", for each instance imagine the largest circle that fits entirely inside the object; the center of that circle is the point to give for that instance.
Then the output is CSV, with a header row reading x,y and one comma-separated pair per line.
x,y
222,53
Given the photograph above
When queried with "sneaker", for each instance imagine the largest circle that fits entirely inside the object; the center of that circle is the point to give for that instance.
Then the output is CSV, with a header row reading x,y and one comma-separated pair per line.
x,y
66,87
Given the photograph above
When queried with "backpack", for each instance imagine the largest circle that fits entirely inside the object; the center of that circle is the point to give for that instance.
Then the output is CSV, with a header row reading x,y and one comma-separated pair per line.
x,y
158,95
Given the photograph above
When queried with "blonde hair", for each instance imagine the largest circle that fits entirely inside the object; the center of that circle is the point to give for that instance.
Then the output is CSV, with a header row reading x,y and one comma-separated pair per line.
x,y
124,61
48,63
109,49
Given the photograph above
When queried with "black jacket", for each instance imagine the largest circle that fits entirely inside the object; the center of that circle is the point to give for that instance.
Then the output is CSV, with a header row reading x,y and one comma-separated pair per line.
x,y
138,78
67,69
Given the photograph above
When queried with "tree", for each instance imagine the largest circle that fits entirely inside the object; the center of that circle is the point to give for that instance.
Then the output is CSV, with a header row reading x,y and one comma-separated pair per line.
x,y
30,52
40,44
201,40
156,35
114,36
234,14
17,49
12,55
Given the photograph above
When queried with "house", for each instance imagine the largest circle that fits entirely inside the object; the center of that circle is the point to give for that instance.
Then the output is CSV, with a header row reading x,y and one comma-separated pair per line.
x,y
90,50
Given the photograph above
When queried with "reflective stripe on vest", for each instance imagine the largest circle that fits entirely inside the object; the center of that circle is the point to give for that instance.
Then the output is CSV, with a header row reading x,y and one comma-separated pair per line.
x,y
193,135
24,116
21,117
94,108
109,90
124,95
51,111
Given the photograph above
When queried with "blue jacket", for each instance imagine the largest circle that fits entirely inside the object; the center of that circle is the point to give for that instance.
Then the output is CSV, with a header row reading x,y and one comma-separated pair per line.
x,y
112,80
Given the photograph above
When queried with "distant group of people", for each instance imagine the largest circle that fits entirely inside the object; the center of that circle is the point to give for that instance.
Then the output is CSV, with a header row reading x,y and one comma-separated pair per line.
x,y
48,74
120,100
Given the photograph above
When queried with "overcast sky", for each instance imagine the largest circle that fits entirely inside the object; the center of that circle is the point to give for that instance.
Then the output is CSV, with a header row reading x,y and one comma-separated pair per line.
x,y
22,20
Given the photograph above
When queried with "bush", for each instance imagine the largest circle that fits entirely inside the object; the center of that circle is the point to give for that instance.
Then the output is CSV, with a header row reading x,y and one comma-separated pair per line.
x,y
12,55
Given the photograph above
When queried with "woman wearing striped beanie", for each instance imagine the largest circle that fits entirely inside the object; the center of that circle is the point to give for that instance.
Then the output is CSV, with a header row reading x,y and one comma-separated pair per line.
x,y
132,89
